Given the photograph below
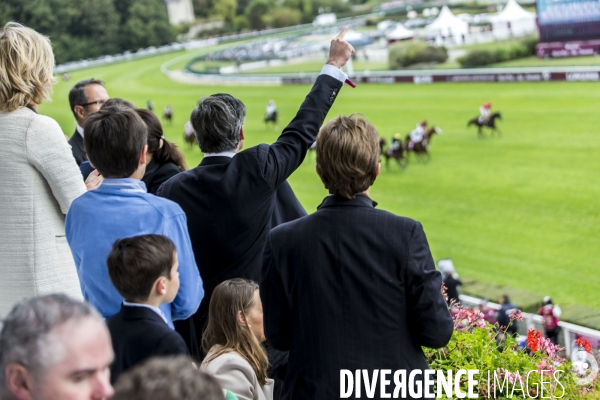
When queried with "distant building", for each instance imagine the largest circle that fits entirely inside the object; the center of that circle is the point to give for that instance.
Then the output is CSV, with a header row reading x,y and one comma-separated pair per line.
x,y
180,12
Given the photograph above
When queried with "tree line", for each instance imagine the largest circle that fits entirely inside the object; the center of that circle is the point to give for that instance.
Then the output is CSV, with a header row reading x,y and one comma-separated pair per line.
x,y
83,29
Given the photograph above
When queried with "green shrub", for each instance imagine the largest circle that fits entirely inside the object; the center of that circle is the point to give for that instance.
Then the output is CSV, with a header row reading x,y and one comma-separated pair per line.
x,y
404,54
501,54
517,51
530,42
477,58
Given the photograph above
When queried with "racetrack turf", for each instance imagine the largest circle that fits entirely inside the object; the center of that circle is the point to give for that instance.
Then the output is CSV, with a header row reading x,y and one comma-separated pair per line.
x,y
517,213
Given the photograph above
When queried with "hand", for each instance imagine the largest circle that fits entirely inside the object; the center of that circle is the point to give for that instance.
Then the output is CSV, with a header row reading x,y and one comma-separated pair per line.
x,y
340,50
93,180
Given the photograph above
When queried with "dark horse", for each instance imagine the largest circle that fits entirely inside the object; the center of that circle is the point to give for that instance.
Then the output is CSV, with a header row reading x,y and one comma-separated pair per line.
x,y
490,123
168,115
397,153
421,149
272,118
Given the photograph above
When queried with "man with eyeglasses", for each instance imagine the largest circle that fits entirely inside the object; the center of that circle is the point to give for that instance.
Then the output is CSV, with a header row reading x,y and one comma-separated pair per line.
x,y
85,98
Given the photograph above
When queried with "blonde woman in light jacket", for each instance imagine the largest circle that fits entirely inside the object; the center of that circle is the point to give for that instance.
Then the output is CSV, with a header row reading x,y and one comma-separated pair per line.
x,y
233,339
39,177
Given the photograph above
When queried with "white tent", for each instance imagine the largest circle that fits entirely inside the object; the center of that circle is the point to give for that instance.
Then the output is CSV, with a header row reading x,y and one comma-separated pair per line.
x,y
513,21
399,33
447,25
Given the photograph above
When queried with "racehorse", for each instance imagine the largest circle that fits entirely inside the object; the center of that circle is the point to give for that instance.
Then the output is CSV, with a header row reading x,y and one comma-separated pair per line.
x,y
421,149
397,154
168,114
490,123
190,138
272,118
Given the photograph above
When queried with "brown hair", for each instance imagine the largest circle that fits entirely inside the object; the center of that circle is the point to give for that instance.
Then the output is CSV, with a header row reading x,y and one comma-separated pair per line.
x,y
118,101
169,151
26,67
167,378
135,263
348,155
223,329
114,139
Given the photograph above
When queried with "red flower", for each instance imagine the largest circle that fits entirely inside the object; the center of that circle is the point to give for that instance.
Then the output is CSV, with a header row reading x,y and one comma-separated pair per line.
x,y
581,342
533,339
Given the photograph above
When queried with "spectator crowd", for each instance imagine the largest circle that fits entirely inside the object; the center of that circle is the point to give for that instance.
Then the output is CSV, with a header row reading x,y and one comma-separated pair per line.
x,y
142,279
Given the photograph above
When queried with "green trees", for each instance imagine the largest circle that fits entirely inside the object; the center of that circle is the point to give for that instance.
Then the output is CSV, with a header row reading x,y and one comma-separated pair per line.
x,y
82,29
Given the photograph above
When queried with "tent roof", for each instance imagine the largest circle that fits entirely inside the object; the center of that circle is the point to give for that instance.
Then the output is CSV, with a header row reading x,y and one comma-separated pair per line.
x,y
447,19
512,12
399,32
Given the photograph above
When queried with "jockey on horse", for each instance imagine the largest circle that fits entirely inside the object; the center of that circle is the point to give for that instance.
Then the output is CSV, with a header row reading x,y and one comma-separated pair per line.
x,y
485,110
417,135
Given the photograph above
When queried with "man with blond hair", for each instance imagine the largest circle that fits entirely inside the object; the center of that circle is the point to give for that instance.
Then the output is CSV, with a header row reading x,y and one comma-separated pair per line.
x,y
350,287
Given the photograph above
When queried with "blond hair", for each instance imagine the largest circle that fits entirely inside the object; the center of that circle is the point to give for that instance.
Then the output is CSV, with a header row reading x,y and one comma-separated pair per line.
x,y
348,155
26,67
223,329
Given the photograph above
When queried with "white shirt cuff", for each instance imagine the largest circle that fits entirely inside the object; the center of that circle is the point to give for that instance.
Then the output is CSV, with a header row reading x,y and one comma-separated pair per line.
x,y
334,72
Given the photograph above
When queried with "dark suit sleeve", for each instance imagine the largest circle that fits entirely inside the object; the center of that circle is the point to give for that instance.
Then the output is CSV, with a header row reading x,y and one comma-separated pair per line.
x,y
274,301
287,153
171,345
431,323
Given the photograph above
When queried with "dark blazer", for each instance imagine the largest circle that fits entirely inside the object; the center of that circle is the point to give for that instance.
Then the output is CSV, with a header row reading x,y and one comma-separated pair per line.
x,y
350,287
78,148
139,333
231,203
156,174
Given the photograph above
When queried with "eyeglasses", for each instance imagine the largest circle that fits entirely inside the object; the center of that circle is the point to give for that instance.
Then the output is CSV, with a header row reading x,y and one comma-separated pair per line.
x,y
99,103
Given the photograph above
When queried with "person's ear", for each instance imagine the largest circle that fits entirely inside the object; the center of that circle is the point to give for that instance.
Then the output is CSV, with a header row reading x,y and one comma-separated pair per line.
x,y
79,112
161,285
240,318
143,155
19,381
161,143
378,168
242,137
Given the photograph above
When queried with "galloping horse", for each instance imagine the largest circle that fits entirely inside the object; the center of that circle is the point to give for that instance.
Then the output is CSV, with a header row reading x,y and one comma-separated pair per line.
x,y
421,149
168,114
395,153
490,123
272,118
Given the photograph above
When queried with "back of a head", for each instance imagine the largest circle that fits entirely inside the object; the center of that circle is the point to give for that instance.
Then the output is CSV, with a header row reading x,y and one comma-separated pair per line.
x,y
217,122
26,67
135,263
505,299
168,152
118,101
27,337
348,155
167,378
114,139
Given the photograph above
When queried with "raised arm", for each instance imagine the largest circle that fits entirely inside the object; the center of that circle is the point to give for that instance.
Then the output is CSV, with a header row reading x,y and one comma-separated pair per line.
x,y
288,152
432,324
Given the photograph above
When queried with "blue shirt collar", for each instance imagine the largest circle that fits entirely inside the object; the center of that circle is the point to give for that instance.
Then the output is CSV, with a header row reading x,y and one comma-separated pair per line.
x,y
128,184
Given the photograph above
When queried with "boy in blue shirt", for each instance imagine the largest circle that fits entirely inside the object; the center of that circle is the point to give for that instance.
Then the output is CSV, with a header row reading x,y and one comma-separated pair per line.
x,y
115,142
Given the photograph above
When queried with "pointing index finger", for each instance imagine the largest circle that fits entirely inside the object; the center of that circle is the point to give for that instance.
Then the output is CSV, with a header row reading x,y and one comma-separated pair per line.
x,y
342,33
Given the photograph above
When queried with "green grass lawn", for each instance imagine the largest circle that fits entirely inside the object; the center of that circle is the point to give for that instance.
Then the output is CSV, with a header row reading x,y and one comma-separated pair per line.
x,y
517,213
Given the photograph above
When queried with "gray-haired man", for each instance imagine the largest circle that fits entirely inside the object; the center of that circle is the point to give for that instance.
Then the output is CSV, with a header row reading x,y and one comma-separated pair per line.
x,y
54,348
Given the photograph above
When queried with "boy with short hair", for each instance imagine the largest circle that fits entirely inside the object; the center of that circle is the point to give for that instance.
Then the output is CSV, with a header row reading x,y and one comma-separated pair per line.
x,y
144,270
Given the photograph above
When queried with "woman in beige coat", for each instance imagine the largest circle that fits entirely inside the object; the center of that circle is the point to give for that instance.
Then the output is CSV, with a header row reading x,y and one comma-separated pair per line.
x,y
233,339
38,175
